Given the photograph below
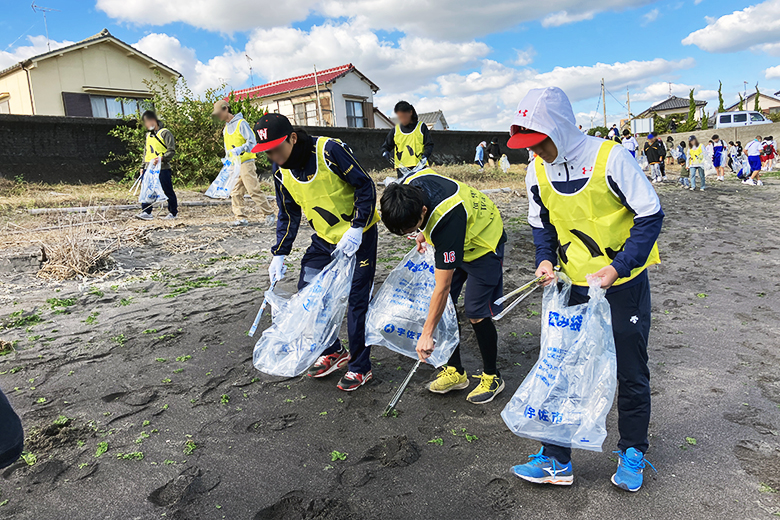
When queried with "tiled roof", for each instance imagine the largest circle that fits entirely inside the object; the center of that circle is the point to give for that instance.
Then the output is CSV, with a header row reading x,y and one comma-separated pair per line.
x,y
300,82
429,118
676,102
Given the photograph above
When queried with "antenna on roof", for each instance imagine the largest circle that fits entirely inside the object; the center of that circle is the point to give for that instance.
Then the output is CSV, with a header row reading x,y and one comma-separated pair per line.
x,y
251,77
44,10
670,89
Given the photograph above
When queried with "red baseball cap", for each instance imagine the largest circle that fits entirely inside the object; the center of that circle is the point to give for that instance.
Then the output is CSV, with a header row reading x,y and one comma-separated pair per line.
x,y
522,137
271,130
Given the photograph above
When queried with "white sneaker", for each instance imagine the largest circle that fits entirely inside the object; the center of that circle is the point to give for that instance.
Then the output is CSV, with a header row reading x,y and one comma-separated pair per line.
x,y
701,189
270,221
238,223
169,216
692,188
144,216
664,178
759,183
749,182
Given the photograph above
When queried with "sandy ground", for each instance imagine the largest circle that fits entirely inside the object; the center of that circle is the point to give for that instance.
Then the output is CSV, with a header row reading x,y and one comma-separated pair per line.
x,y
140,400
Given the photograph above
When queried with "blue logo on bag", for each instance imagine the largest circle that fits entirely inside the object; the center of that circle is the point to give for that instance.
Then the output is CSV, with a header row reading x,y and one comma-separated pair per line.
x,y
560,321
422,266
410,334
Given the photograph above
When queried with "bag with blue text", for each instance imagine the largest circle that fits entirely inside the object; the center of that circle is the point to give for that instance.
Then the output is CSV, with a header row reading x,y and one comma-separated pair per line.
x,y
565,398
151,189
398,311
226,180
307,323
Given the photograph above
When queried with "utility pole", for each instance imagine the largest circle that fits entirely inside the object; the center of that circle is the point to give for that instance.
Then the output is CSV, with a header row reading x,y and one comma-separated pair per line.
x,y
628,106
604,101
44,10
251,76
317,90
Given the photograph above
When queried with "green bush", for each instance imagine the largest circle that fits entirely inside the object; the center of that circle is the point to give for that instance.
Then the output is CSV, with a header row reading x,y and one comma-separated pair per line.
x,y
603,129
199,143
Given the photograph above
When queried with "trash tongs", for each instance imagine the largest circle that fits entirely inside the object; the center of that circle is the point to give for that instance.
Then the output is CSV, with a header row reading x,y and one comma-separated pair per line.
x,y
263,306
528,288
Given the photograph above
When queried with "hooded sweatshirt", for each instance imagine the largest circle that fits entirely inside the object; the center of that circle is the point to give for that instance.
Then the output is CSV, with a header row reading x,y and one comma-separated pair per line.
x,y
549,111
246,132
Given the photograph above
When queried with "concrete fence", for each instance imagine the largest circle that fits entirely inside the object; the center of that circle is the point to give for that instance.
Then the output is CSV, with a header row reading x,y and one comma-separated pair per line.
x,y
71,149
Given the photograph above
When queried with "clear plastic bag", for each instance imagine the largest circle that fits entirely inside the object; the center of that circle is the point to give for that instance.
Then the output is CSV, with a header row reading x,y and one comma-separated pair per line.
x,y
565,398
504,163
151,189
226,180
398,311
642,160
307,323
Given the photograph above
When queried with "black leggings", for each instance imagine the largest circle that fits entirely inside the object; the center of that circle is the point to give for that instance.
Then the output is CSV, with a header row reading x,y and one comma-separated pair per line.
x,y
11,433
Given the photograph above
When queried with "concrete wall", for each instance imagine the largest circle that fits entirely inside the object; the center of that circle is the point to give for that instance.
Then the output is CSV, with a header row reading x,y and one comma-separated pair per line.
x,y
56,149
70,149
450,146
739,133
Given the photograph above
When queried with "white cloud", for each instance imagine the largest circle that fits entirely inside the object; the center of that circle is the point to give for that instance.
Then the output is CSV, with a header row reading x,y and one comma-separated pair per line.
x,y
565,17
650,16
751,27
772,72
525,57
484,99
225,68
454,20
660,91
37,46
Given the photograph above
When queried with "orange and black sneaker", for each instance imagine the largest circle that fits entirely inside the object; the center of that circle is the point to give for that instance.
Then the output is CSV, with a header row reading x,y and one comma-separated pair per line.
x,y
329,363
352,380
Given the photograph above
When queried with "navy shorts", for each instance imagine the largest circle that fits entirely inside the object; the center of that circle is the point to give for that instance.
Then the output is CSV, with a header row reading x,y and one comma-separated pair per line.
x,y
485,284
755,163
11,433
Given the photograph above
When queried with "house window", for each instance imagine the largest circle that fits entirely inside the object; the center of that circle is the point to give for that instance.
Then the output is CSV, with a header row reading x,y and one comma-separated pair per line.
x,y
355,117
305,113
111,107
740,118
5,107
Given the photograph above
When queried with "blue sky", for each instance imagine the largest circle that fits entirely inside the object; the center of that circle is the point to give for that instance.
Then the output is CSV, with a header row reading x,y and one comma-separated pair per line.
x,y
474,60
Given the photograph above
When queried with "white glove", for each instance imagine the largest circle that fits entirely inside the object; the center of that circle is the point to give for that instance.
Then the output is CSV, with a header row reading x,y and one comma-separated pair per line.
x,y
422,164
234,152
350,242
276,269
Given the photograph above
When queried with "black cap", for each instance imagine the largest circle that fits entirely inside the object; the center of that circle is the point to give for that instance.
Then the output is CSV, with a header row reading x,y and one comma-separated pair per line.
x,y
271,131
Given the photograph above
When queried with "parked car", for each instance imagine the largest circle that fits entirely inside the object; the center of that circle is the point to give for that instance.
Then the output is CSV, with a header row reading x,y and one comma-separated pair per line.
x,y
746,118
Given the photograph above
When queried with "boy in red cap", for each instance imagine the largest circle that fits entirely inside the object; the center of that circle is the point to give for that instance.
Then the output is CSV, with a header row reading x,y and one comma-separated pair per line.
x,y
320,177
593,211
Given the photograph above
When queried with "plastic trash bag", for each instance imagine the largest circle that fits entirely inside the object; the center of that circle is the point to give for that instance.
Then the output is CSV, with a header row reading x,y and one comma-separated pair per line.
x,y
742,166
642,160
567,395
226,180
307,323
398,311
504,163
151,189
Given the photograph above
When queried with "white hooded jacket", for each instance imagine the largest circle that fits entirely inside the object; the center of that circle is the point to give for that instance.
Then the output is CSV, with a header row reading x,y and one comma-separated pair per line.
x,y
549,111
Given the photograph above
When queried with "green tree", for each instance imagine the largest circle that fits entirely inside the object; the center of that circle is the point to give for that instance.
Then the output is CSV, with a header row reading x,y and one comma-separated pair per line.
x,y
199,143
756,105
721,108
603,129
705,121
690,123
741,103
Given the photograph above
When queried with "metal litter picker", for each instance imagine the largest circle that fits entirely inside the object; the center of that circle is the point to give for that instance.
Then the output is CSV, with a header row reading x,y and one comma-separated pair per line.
x,y
400,391
528,288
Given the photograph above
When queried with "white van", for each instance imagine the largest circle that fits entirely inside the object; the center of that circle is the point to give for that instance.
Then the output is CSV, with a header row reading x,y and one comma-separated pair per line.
x,y
732,119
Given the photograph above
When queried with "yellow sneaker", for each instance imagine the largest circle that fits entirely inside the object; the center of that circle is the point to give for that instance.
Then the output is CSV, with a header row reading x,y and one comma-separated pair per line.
x,y
488,388
448,379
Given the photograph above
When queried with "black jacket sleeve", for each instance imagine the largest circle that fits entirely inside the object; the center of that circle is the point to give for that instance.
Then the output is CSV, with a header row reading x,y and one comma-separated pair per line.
x,y
389,144
427,141
342,162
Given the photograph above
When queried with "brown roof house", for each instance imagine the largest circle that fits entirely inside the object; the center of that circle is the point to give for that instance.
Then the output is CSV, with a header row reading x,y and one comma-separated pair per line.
x,y
81,80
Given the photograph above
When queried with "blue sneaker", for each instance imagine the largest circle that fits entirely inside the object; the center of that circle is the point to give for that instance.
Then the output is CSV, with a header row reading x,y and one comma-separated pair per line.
x,y
545,470
631,464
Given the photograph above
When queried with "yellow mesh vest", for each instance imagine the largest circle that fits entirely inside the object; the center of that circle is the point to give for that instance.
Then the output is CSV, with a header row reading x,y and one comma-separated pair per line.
x,y
484,227
235,140
408,147
326,199
592,224
154,147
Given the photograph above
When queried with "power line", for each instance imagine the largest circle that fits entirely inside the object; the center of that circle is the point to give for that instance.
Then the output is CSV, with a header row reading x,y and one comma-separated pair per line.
x,y
20,36
613,97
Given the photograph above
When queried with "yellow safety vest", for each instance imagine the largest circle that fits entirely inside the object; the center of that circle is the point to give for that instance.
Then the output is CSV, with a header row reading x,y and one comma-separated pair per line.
x,y
235,140
326,199
155,146
592,224
408,147
484,227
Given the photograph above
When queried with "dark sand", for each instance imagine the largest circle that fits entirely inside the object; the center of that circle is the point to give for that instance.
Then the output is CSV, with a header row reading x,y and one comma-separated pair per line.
x,y
262,446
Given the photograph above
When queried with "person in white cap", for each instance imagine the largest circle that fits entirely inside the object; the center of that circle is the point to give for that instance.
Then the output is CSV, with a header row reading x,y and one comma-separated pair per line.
x,y
239,141
593,212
